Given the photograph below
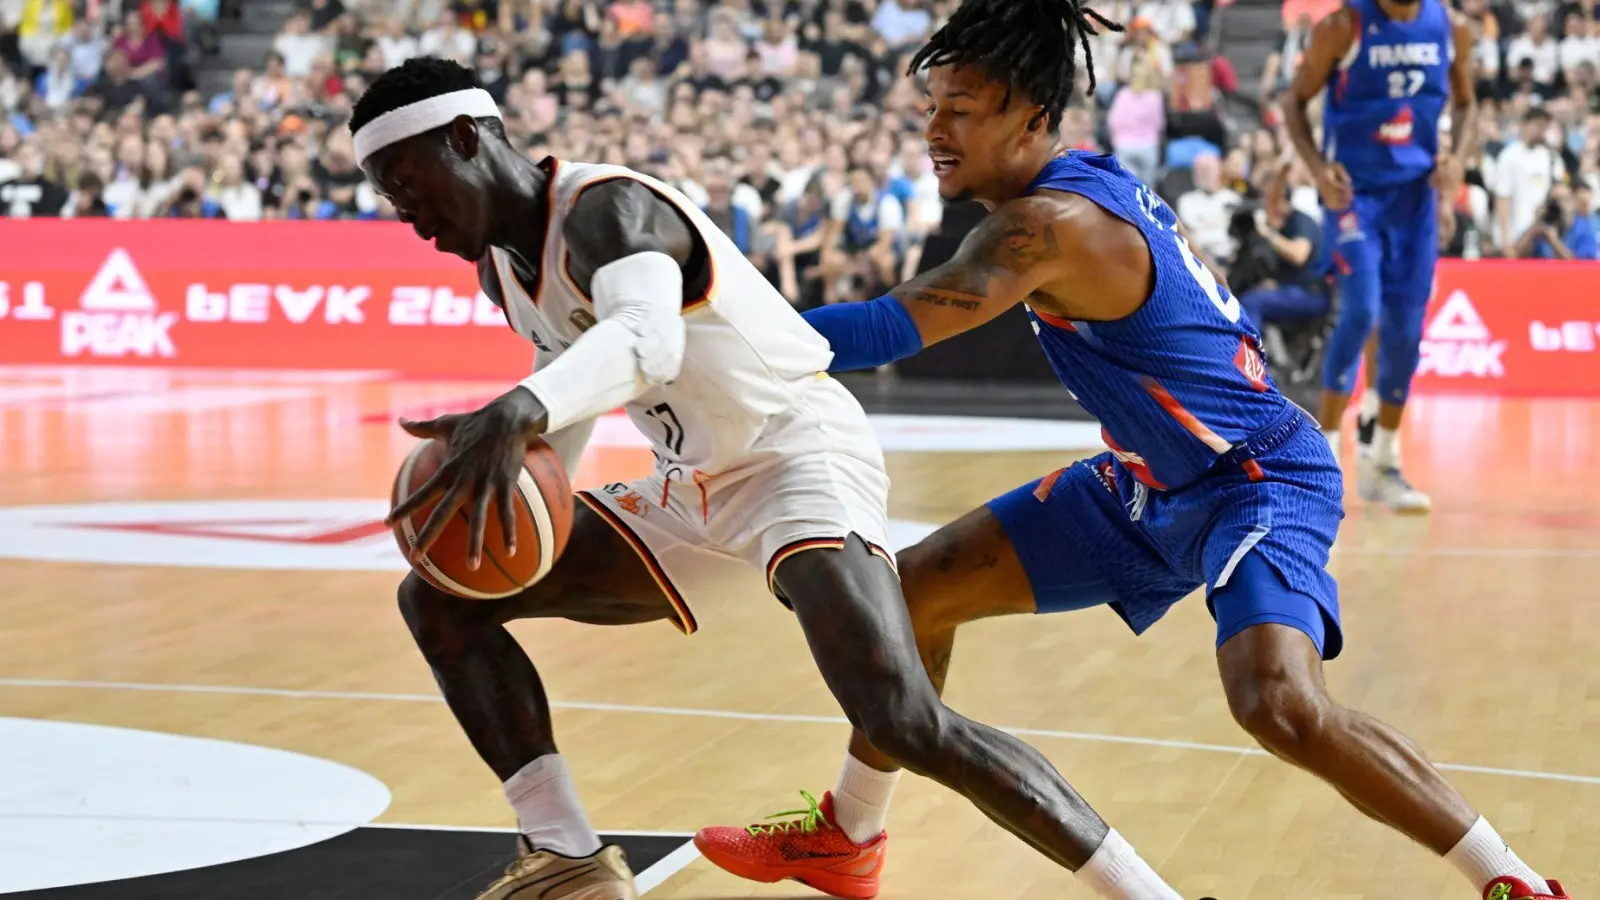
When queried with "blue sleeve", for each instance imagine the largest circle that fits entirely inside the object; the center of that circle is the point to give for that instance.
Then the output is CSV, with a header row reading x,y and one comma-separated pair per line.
x,y
866,335
1581,239
741,230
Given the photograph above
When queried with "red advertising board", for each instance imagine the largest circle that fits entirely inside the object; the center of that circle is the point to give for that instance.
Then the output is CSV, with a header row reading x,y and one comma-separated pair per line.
x,y
370,296
280,295
1523,328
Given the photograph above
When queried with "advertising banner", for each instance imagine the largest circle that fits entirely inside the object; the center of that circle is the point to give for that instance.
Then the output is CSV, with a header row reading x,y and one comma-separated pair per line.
x,y
279,295
371,297
1517,328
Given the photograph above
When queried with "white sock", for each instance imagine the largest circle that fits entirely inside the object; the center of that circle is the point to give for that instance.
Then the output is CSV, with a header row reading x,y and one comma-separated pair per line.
x,y
1369,404
861,801
1386,446
548,811
1116,871
1482,855
1332,436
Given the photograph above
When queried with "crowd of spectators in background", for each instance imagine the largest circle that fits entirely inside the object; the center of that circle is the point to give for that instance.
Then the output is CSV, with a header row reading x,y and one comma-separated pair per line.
x,y
791,122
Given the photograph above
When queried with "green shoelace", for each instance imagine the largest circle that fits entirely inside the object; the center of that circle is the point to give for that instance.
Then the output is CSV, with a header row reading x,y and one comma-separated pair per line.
x,y
809,820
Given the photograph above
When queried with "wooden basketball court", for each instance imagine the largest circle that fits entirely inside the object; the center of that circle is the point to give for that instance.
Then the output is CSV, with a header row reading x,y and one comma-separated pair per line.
x,y
1474,630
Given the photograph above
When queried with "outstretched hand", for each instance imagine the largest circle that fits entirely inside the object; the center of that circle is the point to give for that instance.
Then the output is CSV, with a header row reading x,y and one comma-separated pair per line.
x,y
484,450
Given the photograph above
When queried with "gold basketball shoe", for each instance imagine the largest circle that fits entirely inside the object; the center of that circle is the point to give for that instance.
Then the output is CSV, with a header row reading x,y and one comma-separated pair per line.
x,y
546,875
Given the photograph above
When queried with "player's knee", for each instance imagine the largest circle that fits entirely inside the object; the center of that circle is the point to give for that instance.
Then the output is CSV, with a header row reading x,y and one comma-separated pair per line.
x,y
1356,317
1289,716
436,619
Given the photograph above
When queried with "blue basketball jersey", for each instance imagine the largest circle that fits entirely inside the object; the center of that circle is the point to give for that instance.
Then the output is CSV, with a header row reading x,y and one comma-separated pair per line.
x,y
1180,381
1384,102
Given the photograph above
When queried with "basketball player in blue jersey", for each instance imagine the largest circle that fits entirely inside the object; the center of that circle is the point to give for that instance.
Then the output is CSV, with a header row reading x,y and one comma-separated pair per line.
x,y
1386,69
1214,479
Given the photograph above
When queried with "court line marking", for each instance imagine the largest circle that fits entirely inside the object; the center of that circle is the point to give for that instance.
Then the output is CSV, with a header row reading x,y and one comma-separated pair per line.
x,y
646,881
1085,736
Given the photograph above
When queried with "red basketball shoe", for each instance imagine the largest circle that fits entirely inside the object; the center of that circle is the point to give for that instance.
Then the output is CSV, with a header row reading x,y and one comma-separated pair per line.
x,y
811,849
1507,888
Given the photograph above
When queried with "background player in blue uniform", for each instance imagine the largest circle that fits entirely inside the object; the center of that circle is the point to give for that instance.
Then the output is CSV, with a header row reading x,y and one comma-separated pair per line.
x,y
1386,70
1214,481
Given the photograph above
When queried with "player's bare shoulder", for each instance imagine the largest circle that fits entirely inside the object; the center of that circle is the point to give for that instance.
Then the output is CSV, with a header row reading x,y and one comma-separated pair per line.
x,y
618,217
1086,252
1039,237
1331,39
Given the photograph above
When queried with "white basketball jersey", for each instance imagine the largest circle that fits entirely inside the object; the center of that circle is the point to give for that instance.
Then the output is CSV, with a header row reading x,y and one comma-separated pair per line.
x,y
749,356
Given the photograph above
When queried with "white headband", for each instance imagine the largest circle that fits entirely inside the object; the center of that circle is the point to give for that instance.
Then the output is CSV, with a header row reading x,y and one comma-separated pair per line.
x,y
425,115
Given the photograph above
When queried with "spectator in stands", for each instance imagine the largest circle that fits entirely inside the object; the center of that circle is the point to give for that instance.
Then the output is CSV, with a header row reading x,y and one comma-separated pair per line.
x,y
30,193
1524,172
236,198
1136,121
868,221
145,51
57,85
298,46
1205,211
913,183
733,220
1560,232
902,24
1140,48
799,232
87,49
1539,48
1279,273
117,89
42,25
85,202
1192,100
1172,21
163,19
448,40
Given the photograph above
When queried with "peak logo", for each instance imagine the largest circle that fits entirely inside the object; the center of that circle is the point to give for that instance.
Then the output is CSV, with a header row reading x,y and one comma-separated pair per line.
x,y
118,316
1456,343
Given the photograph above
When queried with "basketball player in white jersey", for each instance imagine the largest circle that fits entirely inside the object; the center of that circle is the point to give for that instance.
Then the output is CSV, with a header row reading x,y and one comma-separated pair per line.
x,y
768,475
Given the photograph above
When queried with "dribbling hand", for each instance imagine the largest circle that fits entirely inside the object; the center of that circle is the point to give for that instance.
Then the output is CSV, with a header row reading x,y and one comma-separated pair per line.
x,y
1333,184
485,450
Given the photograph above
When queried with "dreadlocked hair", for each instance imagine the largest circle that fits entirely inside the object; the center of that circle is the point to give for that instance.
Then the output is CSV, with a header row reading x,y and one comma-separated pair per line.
x,y
1030,45
414,80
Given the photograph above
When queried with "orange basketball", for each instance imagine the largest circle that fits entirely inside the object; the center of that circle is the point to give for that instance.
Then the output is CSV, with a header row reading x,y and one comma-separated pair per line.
x,y
543,516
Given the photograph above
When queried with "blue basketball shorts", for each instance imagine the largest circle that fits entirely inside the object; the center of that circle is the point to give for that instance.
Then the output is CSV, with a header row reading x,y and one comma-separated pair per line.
x,y
1091,535
1384,249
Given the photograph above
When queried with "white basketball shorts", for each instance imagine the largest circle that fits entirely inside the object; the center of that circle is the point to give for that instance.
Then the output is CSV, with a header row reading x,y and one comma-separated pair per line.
x,y
726,534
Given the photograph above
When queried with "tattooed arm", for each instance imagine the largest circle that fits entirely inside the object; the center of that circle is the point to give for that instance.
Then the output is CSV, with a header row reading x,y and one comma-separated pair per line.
x,y
1014,252
1011,254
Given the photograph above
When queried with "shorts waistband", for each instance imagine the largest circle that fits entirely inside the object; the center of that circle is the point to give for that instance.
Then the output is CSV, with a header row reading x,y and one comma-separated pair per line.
x,y
1275,434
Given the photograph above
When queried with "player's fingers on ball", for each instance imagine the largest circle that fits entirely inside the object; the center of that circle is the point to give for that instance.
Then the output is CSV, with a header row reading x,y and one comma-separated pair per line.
x,y
508,516
477,520
421,495
438,519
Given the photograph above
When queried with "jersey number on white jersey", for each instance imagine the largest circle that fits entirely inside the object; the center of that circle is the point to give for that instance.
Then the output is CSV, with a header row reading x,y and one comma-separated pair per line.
x,y
663,413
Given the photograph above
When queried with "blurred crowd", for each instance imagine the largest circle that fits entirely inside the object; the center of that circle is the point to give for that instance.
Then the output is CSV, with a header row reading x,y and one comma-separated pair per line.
x,y
790,121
